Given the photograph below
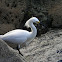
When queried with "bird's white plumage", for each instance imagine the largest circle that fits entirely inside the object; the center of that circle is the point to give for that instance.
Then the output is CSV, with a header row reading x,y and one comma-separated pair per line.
x,y
19,36
16,36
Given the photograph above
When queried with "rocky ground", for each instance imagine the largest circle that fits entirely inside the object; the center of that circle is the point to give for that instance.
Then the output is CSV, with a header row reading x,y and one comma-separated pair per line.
x,y
46,48
7,54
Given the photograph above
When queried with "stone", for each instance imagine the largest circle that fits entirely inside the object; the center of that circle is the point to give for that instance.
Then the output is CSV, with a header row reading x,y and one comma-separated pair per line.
x,y
16,13
11,14
46,48
55,10
6,28
7,54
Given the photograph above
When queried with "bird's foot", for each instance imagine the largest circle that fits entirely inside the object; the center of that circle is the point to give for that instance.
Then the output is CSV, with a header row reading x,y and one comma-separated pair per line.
x,y
18,48
20,52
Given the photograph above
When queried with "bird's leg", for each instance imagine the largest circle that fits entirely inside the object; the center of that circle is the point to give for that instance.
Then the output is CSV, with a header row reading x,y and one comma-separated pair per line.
x,y
18,48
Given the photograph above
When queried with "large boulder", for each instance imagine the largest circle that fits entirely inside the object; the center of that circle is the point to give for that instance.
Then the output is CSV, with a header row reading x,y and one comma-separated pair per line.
x,y
11,14
7,54
54,8
14,14
47,48
40,8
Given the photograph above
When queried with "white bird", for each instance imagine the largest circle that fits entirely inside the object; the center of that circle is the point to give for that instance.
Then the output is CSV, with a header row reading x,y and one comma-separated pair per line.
x,y
19,36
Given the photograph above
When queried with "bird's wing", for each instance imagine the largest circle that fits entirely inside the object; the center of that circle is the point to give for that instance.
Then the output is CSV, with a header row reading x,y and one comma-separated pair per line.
x,y
1,36
16,40
16,34
21,40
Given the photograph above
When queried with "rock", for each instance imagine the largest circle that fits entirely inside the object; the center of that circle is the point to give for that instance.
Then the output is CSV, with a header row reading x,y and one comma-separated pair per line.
x,y
55,10
14,14
7,54
11,14
6,27
46,48
52,7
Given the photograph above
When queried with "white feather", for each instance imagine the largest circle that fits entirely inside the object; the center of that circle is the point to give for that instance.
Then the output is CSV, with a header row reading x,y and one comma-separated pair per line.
x,y
19,36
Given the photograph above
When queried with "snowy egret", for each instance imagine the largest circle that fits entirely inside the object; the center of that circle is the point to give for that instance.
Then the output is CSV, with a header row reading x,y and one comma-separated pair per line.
x,y
20,36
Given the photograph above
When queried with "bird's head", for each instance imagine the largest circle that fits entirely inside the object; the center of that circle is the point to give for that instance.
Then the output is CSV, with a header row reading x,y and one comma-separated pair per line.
x,y
31,21
35,20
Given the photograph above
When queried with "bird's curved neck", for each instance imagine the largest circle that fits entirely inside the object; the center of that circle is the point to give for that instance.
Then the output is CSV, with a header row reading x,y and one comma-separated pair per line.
x,y
33,30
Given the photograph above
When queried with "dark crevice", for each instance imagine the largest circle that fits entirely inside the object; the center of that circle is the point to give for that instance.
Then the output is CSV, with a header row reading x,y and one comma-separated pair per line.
x,y
12,20
5,18
0,12
19,20
14,4
7,5
16,16
10,12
